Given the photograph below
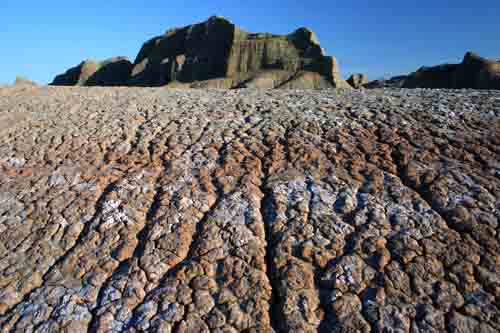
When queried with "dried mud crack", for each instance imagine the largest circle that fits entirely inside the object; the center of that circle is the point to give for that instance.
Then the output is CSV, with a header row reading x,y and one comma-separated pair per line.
x,y
138,209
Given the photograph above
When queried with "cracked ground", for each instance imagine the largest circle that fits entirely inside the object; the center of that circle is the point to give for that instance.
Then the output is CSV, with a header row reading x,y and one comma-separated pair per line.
x,y
155,210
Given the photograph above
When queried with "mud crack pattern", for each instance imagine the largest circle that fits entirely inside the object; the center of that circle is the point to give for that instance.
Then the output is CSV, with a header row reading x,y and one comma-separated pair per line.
x,y
154,210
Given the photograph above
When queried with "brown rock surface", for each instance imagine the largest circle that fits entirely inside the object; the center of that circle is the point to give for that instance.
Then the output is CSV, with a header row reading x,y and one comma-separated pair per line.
x,y
139,209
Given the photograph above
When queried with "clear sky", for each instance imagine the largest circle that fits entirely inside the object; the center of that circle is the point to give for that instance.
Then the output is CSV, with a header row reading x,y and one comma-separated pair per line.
x,y
380,38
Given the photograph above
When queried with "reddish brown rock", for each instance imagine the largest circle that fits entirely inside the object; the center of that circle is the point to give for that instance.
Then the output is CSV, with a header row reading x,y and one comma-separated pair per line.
x,y
133,209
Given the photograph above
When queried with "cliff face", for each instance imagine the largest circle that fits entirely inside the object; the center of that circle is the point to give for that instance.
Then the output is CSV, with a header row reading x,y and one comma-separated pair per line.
x,y
111,72
217,48
216,54
193,53
477,72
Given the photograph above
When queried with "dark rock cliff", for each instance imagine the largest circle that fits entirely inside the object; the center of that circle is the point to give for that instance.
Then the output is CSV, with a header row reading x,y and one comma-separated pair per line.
x,y
216,53
112,72
474,72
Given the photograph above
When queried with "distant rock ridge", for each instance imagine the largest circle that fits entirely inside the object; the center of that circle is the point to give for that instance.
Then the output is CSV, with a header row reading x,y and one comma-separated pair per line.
x,y
112,72
394,82
474,72
216,53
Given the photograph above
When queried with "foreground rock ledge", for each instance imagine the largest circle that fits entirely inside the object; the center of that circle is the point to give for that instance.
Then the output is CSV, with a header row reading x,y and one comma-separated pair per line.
x,y
125,210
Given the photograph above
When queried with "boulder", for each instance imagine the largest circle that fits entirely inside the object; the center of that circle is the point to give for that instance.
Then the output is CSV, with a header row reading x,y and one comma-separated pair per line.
x,y
112,72
218,49
357,80
23,81
474,72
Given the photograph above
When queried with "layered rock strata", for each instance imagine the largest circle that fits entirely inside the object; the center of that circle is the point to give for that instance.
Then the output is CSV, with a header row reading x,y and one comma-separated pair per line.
x,y
217,54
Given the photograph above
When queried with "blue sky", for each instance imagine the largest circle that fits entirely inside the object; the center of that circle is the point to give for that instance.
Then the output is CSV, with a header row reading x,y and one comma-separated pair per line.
x,y
381,38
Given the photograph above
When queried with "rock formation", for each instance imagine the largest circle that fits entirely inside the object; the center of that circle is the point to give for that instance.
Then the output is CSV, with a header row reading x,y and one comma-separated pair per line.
x,y
393,82
218,54
473,72
157,210
357,80
112,72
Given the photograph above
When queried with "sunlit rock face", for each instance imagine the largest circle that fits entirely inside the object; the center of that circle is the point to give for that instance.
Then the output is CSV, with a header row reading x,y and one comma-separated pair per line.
x,y
219,49
216,54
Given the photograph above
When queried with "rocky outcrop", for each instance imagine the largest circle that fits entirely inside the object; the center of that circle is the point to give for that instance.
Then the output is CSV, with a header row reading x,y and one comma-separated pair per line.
x,y
157,210
112,72
478,73
393,82
216,54
218,49
441,76
357,80
23,81
474,72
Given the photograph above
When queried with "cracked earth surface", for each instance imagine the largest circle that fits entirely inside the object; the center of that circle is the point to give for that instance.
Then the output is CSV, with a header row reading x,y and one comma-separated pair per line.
x,y
136,209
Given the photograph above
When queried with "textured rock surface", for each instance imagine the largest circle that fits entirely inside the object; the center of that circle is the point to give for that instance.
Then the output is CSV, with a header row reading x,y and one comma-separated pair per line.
x,y
127,209
217,49
474,72
112,72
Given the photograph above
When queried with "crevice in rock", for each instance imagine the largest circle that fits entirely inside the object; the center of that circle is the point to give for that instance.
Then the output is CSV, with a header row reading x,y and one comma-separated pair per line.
x,y
286,146
310,189
196,237
85,232
172,270
447,322
138,135
421,191
198,140
268,213
330,320
275,305
137,254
